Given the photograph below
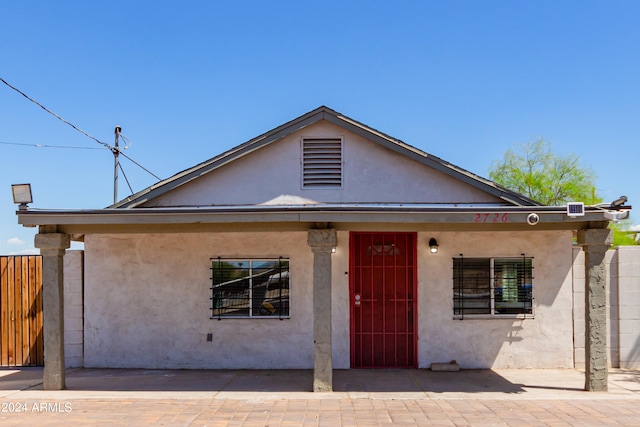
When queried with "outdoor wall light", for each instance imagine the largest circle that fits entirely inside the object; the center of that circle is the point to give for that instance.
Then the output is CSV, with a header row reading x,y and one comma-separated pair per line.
x,y
333,250
22,195
433,245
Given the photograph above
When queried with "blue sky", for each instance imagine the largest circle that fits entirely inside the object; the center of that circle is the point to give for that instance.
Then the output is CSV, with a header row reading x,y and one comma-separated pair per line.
x,y
463,80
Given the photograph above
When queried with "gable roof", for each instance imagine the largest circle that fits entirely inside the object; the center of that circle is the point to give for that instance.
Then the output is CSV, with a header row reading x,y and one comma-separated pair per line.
x,y
314,116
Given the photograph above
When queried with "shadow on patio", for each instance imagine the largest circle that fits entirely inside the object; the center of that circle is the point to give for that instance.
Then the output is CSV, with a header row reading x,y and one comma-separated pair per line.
x,y
277,381
531,383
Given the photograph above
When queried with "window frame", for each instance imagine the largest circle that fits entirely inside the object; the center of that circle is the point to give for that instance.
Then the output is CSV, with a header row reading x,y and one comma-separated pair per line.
x,y
250,279
525,285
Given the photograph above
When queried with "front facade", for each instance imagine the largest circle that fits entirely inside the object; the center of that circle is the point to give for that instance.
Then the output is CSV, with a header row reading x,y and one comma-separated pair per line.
x,y
167,278
326,244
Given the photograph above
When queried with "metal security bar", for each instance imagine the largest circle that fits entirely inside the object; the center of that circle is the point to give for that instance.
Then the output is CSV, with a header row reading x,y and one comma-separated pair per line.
x,y
382,283
492,286
247,288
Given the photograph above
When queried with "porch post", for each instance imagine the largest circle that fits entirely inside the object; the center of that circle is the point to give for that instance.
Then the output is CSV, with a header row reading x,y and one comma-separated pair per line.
x,y
595,243
52,247
322,242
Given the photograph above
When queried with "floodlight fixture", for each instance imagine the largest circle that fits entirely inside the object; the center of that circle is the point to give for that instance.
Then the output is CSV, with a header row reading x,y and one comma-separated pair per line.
x,y
22,195
619,202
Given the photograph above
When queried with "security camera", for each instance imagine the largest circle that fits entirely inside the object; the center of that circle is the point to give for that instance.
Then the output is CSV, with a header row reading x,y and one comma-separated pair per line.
x,y
533,219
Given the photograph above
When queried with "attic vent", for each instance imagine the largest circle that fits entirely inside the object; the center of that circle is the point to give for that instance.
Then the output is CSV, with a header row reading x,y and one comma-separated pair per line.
x,y
321,162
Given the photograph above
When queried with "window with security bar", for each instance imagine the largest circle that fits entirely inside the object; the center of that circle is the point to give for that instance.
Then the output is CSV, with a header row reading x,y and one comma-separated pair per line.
x,y
493,286
248,288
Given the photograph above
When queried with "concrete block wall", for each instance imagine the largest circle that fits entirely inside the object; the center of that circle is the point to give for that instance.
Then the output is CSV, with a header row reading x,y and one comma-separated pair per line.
x,y
613,308
578,308
73,309
629,306
623,307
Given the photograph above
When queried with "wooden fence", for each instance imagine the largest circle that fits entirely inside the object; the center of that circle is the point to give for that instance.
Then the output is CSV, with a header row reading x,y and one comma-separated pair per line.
x,y
21,341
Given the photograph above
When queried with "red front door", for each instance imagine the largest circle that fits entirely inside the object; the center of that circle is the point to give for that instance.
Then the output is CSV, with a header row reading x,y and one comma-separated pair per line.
x,y
382,298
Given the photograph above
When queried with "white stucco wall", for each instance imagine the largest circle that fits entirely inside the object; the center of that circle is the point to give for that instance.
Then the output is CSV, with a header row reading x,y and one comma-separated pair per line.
x,y
371,174
147,303
542,342
340,303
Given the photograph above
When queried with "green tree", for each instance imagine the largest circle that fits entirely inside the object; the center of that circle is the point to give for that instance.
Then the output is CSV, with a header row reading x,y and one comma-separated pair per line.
x,y
621,234
533,170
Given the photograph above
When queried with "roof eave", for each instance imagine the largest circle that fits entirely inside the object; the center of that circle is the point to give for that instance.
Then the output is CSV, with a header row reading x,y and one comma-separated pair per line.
x,y
495,216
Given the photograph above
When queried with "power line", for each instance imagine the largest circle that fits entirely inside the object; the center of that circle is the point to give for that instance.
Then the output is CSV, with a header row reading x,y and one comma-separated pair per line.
x,y
114,150
54,114
125,139
125,178
140,166
49,146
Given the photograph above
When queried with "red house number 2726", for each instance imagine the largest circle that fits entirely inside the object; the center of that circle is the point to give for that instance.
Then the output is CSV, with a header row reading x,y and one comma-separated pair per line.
x,y
492,217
